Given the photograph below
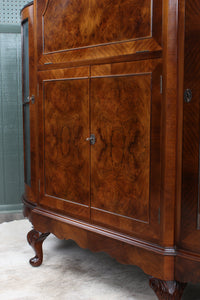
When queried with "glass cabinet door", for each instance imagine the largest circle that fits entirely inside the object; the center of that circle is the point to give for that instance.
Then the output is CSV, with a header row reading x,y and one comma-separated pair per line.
x,y
29,105
26,109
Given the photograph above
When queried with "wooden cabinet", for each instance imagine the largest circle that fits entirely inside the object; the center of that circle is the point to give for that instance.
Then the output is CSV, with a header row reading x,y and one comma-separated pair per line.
x,y
114,132
122,110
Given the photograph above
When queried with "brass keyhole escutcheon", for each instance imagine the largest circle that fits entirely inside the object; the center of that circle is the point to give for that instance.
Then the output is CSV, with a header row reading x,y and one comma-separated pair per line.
x,y
92,139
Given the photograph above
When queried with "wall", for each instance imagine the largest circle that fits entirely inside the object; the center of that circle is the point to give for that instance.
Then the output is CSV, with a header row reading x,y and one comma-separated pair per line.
x,y
11,135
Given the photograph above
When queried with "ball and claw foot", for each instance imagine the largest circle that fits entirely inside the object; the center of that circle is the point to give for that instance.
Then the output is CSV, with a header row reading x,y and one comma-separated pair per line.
x,y
36,239
167,290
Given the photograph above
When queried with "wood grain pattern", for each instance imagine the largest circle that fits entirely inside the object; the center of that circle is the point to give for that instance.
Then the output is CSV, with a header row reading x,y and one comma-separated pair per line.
x,y
66,126
125,249
129,67
115,103
169,122
75,24
97,29
190,234
134,224
120,116
50,62
181,42
64,153
187,266
135,50
136,174
35,240
167,290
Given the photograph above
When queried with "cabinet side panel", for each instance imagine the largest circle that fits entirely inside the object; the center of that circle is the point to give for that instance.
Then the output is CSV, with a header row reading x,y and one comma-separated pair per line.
x,y
190,234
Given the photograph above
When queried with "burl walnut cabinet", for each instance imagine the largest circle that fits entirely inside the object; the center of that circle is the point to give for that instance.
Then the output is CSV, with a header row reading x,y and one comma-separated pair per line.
x,y
111,98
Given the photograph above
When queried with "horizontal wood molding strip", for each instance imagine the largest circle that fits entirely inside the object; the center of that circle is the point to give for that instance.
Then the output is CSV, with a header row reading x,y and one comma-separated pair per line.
x,y
98,229
132,57
110,51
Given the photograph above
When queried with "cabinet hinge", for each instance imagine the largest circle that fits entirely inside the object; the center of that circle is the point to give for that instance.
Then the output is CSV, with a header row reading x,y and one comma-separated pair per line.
x,y
161,84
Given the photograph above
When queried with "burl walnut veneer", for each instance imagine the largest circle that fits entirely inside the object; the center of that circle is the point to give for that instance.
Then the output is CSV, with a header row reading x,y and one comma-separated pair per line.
x,y
111,98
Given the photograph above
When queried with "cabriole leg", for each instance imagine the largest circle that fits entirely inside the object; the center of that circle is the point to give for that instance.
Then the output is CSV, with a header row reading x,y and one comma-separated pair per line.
x,y
167,290
35,239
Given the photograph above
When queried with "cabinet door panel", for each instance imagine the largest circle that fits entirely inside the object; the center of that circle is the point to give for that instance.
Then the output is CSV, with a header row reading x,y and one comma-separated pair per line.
x,y
71,29
121,109
65,166
123,112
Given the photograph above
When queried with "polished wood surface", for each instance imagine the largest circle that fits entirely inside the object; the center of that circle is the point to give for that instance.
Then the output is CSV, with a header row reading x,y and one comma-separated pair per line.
x,y
169,122
101,55
167,290
36,239
120,120
187,266
64,151
188,260
66,127
97,29
135,193
190,230
181,42
73,25
125,249
125,117
61,161
31,192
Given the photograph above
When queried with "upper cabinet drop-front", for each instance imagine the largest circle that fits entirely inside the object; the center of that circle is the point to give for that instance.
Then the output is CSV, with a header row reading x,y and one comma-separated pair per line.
x,y
64,30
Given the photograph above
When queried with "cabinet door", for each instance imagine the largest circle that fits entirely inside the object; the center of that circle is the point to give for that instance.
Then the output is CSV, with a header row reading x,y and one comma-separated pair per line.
x,y
74,30
29,106
64,152
125,169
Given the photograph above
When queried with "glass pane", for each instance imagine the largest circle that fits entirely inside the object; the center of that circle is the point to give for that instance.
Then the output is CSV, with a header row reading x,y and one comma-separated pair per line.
x,y
26,106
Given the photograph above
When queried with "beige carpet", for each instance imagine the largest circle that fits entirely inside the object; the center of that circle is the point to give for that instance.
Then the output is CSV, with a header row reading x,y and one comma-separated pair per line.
x,y
68,272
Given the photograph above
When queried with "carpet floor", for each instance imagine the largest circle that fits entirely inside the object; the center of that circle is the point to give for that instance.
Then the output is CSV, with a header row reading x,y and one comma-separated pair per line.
x,y
68,272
